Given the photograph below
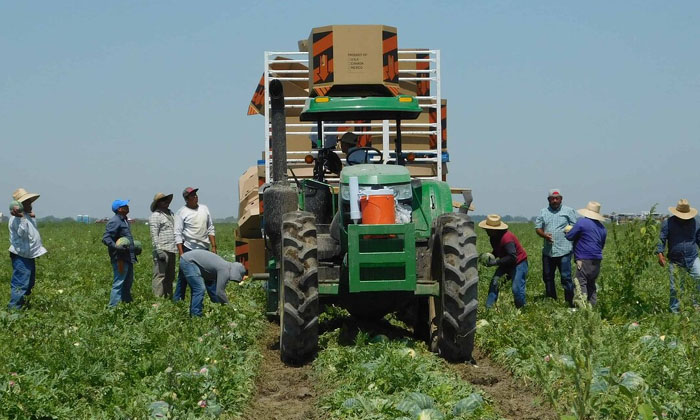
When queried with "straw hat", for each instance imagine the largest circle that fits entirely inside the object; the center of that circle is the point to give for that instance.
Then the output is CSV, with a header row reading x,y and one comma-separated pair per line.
x,y
22,195
158,197
592,211
683,210
493,221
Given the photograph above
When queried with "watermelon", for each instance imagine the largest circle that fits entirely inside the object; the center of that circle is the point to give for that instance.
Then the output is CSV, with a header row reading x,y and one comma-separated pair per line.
x,y
138,248
16,206
123,242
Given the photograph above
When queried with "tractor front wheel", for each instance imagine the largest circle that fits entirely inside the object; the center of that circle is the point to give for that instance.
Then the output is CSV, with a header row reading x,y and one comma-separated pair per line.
x,y
453,313
299,288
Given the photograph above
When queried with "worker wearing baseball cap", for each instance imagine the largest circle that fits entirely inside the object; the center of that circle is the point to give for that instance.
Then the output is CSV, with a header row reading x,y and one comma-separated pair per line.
x,y
194,229
122,258
552,224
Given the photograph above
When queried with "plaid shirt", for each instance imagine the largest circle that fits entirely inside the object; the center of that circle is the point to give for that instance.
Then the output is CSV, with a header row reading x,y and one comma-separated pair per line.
x,y
554,222
162,231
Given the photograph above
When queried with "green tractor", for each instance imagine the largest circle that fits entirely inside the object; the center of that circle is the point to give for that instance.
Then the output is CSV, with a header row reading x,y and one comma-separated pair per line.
x,y
376,242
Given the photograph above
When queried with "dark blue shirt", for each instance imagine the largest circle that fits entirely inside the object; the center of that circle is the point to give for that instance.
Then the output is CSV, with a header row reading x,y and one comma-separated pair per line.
x,y
683,237
118,227
588,236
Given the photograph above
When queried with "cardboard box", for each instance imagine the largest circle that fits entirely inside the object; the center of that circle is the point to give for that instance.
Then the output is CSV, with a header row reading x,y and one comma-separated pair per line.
x,y
292,88
248,182
355,60
251,253
249,211
419,141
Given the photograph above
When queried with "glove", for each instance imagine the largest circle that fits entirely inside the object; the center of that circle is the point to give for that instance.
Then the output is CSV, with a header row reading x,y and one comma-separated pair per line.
x,y
159,255
568,228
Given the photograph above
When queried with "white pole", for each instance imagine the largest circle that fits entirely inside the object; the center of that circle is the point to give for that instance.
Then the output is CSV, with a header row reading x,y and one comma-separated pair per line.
x,y
385,141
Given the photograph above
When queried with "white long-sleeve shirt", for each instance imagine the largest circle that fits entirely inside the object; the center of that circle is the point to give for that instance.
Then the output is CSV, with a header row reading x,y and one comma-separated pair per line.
x,y
25,240
193,227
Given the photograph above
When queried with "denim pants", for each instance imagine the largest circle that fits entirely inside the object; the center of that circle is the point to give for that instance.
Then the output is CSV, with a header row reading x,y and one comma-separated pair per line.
x,y
694,271
181,283
193,275
549,266
121,286
22,282
519,276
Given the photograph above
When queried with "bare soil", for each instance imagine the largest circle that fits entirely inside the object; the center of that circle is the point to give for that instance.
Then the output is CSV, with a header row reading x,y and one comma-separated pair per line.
x,y
511,398
283,392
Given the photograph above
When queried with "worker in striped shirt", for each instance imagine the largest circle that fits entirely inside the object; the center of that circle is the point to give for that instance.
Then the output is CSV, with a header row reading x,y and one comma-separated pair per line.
x,y
552,224
162,226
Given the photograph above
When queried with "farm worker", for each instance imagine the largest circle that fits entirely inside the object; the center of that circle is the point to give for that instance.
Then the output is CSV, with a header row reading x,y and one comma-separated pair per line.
x,y
162,226
682,232
205,270
348,144
551,224
25,247
509,256
588,236
121,257
194,229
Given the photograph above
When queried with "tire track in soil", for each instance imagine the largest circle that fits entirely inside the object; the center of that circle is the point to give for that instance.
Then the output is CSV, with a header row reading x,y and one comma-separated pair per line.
x,y
282,392
512,399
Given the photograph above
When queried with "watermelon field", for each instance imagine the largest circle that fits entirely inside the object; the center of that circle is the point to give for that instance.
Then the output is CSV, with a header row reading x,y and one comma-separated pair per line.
x,y
70,357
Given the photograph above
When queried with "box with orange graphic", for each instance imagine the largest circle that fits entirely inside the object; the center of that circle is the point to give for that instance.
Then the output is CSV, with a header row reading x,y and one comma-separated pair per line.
x,y
353,60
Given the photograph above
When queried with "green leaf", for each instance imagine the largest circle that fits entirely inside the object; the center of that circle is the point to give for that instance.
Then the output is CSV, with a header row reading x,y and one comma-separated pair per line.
x,y
646,411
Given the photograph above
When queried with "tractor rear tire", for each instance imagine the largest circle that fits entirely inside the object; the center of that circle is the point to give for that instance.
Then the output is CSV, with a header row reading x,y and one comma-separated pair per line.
x,y
456,268
299,307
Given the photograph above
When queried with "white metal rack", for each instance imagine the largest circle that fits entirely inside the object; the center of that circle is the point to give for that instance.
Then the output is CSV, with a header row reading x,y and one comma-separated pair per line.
x,y
432,74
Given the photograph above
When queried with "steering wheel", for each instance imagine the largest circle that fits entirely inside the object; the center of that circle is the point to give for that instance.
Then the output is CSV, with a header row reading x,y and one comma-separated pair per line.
x,y
366,159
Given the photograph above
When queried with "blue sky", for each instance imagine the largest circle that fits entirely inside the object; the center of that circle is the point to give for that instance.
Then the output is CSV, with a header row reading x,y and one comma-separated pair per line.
x,y
104,100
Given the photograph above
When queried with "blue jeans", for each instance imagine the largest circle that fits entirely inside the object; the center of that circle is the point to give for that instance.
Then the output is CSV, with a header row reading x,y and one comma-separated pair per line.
x,y
519,276
549,266
121,286
22,282
181,283
694,271
193,275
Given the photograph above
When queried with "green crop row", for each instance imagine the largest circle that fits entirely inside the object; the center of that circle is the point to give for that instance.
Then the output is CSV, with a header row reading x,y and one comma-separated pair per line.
x,y
626,358
69,356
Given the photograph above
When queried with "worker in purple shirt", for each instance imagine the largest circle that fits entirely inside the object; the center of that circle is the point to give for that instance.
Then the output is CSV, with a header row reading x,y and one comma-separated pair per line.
x,y
588,236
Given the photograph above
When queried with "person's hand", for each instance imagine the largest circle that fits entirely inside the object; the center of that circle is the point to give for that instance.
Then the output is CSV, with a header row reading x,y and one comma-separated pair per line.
x,y
16,211
213,249
568,228
548,237
662,259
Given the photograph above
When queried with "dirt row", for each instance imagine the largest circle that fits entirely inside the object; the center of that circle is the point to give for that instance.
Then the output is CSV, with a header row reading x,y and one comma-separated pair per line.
x,y
288,393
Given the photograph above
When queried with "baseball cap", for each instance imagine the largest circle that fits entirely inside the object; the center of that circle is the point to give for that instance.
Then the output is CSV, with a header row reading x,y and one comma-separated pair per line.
x,y
555,192
189,190
119,203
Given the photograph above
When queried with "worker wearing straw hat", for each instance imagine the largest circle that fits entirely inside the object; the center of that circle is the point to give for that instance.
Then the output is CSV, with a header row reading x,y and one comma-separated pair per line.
x,y
682,233
509,256
588,236
25,247
162,226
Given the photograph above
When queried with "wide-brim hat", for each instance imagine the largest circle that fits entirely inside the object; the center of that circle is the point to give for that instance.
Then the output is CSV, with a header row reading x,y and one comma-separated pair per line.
x,y
683,210
158,197
493,222
592,211
22,195
349,138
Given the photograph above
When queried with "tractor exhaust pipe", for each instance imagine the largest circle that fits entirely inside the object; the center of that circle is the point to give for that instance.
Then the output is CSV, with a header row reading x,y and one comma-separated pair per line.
x,y
280,197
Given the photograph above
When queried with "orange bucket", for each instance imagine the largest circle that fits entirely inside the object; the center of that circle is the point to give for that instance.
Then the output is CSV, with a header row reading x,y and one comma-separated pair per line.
x,y
378,207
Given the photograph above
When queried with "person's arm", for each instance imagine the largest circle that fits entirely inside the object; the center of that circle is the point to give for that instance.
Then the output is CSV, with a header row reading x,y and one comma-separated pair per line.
x,y
511,255
211,232
222,276
663,236
177,230
539,229
110,233
573,234
154,227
